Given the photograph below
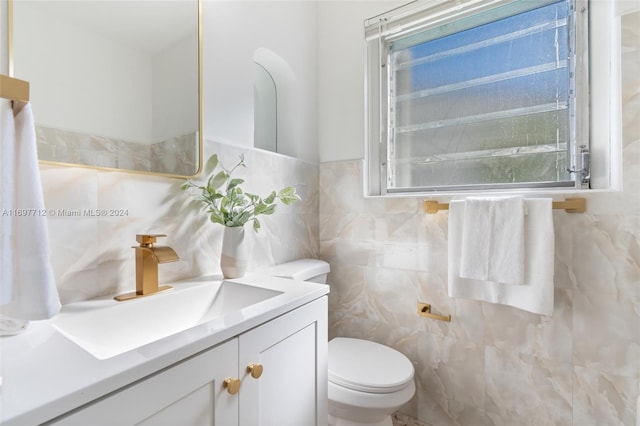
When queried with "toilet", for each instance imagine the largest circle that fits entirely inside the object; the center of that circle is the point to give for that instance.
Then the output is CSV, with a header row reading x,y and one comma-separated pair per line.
x,y
367,381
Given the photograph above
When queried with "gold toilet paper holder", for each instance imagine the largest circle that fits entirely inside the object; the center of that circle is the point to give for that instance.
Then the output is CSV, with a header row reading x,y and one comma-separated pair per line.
x,y
424,310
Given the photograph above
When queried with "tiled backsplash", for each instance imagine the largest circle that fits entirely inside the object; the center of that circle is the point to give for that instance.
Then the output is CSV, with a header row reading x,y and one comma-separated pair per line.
x,y
95,216
173,156
493,364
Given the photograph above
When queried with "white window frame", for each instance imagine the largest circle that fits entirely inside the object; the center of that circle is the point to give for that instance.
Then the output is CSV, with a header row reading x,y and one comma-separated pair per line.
x,y
421,15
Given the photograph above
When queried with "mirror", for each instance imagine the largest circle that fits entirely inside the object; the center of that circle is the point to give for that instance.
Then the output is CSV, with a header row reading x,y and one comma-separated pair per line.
x,y
265,109
114,84
274,103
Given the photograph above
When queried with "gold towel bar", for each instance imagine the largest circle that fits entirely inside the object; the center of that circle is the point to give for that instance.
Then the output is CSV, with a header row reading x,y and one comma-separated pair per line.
x,y
570,205
14,89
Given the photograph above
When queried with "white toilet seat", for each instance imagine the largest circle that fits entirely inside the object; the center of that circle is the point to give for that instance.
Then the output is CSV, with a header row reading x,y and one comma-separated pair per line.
x,y
344,397
365,366
367,382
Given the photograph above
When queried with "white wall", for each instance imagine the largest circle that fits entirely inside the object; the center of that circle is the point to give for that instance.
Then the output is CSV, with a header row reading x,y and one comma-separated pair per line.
x,y
4,46
175,90
109,92
233,30
341,54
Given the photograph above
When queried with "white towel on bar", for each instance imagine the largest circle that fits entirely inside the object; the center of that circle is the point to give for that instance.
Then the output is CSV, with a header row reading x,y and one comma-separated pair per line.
x,y
493,239
7,187
28,286
536,294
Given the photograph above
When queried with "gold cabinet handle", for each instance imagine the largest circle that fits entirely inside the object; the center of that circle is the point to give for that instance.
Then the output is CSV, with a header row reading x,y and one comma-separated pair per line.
x,y
231,385
255,370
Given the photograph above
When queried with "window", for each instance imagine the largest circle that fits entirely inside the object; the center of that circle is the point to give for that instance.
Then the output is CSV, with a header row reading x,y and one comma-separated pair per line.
x,y
492,94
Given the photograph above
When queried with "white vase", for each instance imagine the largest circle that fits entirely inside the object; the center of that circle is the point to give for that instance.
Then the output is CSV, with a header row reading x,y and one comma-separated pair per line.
x,y
234,258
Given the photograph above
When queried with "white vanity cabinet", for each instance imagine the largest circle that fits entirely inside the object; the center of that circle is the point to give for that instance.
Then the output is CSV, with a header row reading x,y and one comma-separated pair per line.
x,y
188,393
290,352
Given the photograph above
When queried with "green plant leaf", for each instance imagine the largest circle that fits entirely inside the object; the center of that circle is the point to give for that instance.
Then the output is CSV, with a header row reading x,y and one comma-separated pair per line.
x,y
244,218
209,190
217,180
226,202
259,208
270,209
234,183
211,165
215,217
271,198
288,195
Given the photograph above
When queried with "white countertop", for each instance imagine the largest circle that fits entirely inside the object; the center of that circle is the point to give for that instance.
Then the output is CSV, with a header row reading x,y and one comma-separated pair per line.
x,y
45,375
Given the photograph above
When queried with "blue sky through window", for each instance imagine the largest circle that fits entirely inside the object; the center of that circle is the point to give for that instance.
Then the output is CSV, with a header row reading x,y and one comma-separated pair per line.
x,y
521,48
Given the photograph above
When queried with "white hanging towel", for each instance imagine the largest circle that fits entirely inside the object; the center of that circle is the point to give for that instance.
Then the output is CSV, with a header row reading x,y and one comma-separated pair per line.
x,y
536,294
7,187
28,290
493,239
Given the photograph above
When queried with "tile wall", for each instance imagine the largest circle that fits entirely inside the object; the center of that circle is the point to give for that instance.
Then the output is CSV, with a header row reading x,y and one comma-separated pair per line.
x,y
176,155
95,216
493,364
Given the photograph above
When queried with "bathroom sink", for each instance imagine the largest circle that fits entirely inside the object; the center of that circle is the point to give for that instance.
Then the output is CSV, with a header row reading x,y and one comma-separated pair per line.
x,y
106,328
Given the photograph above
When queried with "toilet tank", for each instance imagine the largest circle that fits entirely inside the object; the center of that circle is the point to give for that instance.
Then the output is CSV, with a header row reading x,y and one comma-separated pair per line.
x,y
313,270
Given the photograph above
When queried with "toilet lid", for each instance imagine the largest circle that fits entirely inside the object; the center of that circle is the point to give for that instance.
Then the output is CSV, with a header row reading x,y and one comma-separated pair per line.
x,y
367,366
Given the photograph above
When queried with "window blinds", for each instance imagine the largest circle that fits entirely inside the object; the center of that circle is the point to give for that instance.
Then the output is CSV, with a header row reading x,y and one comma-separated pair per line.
x,y
483,99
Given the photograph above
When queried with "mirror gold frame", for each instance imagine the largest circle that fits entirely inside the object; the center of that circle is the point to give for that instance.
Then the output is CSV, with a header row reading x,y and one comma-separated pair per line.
x,y
199,150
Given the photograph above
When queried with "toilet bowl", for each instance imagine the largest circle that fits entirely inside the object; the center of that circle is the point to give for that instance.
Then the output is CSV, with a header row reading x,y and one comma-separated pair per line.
x,y
367,381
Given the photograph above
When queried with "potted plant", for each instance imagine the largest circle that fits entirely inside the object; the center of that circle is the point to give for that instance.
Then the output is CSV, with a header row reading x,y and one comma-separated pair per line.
x,y
228,204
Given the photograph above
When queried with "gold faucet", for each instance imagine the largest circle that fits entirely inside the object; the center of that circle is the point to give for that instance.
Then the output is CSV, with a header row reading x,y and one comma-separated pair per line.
x,y
148,257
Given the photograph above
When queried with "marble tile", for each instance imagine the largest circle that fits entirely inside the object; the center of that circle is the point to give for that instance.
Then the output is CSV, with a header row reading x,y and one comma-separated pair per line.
x,y
348,226
345,251
603,398
402,256
518,331
345,324
347,289
391,296
176,155
606,333
432,232
526,390
600,253
106,209
70,190
402,339
398,227
134,157
341,188
451,369
435,411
